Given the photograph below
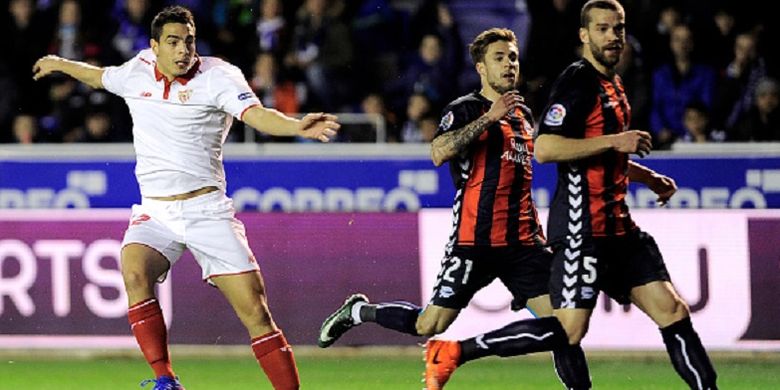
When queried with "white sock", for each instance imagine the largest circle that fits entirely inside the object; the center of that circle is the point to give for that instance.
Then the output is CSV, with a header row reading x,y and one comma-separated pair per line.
x,y
356,312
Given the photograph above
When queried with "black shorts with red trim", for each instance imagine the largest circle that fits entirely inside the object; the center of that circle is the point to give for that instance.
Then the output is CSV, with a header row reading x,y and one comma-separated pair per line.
x,y
524,270
582,267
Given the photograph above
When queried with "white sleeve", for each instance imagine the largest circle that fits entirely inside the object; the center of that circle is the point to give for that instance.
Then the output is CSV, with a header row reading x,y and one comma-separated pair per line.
x,y
231,91
115,77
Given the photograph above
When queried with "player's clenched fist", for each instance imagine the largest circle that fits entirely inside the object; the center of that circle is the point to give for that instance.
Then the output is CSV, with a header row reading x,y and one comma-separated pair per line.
x,y
506,103
633,141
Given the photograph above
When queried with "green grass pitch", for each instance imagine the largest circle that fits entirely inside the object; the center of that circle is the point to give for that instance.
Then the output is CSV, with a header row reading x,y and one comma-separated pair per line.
x,y
346,369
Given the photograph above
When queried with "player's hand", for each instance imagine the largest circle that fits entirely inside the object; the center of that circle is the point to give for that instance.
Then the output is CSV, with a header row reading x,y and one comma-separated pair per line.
x,y
319,126
663,186
45,66
633,141
506,103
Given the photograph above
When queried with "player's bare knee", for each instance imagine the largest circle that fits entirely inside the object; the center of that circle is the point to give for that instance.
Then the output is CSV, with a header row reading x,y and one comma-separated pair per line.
x,y
575,331
430,326
680,310
425,328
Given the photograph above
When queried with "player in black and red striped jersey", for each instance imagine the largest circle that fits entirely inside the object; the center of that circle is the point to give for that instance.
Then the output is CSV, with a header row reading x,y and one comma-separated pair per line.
x,y
487,138
597,245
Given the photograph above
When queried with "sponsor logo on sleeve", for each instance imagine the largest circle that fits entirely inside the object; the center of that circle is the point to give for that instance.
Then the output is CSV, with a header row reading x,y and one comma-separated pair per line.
x,y
245,95
555,115
446,121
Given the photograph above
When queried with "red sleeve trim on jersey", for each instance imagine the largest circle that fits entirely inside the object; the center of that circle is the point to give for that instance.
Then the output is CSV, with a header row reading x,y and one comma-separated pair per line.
x,y
241,116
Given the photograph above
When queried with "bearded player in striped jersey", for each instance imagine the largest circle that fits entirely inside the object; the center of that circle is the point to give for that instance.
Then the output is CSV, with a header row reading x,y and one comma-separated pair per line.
x,y
598,247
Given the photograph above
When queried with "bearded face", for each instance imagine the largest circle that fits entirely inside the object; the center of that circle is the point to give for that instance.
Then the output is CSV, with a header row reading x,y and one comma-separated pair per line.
x,y
604,38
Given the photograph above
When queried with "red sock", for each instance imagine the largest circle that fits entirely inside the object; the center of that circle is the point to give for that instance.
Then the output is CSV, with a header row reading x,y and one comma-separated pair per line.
x,y
276,358
146,322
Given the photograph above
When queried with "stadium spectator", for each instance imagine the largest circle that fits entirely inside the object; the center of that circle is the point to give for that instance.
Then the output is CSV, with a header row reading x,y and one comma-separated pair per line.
x,y
322,49
698,125
132,18
25,129
274,90
597,246
657,36
419,106
432,69
737,87
180,104
373,105
721,43
487,138
675,84
68,40
762,122
428,126
271,29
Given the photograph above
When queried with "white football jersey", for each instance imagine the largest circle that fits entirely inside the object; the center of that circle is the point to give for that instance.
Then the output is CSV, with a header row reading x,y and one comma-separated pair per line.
x,y
179,127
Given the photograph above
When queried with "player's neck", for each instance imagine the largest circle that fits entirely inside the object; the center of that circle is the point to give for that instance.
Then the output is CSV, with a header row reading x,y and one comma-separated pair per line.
x,y
606,71
489,93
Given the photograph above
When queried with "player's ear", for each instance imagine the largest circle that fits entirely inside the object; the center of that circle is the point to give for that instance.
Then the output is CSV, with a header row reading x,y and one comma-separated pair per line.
x,y
584,35
480,68
154,45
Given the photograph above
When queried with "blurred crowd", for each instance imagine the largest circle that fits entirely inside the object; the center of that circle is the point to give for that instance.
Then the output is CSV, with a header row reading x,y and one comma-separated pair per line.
x,y
695,71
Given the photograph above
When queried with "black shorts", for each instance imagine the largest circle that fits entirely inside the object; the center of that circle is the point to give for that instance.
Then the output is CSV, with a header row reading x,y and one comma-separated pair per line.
x,y
524,270
614,265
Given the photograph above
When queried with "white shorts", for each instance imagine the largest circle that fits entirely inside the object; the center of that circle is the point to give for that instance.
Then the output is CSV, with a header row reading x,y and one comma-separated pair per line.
x,y
205,224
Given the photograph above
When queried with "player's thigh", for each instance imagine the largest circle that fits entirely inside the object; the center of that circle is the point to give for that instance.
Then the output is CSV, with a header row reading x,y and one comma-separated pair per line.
x,y
525,271
540,306
141,259
435,319
637,263
661,302
149,246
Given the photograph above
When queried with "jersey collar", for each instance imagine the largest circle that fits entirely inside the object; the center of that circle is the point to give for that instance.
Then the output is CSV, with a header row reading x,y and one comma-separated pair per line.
x,y
183,79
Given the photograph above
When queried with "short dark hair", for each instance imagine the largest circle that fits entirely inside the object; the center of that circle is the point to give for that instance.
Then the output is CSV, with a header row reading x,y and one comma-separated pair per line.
x,y
478,47
171,14
611,5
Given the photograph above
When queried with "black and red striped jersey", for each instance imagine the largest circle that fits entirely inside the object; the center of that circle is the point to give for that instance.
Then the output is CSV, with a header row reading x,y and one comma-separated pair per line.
x,y
590,196
493,204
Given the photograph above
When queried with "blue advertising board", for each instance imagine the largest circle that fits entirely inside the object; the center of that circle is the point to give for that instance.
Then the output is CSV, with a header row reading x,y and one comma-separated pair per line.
x,y
355,184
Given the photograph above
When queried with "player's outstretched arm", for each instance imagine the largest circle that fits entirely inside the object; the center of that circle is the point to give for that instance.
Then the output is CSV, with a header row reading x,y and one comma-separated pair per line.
x,y
662,185
319,126
81,71
556,148
452,143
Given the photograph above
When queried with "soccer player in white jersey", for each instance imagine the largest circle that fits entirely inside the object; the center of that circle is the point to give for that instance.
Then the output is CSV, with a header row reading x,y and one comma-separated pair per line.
x,y
182,106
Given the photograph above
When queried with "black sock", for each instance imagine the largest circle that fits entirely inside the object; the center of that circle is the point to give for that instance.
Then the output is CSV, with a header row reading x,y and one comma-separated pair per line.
x,y
572,368
688,356
399,316
517,338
